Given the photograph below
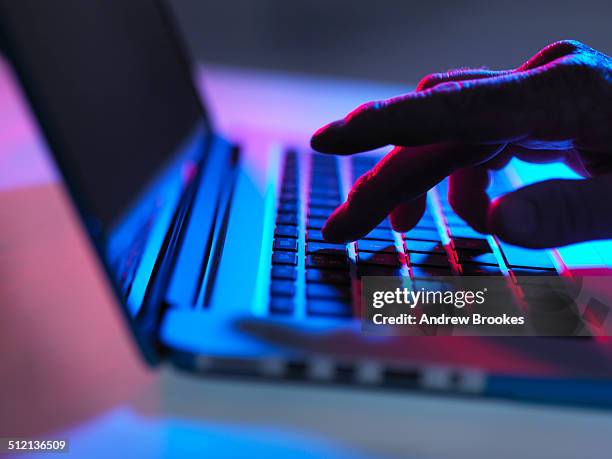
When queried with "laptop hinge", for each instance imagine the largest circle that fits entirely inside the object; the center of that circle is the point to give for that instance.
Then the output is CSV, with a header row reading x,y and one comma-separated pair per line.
x,y
154,304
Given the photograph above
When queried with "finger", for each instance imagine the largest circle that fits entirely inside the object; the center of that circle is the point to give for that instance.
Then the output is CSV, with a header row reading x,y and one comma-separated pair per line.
x,y
546,56
402,175
467,195
498,109
406,215
543,57
554,213
467,191
457,75
552,52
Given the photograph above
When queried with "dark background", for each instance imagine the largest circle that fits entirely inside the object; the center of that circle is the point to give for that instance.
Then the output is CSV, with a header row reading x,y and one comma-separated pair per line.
x,y
392,40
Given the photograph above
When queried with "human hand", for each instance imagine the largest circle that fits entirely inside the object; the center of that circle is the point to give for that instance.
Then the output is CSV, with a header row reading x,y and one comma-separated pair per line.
x,y
556,106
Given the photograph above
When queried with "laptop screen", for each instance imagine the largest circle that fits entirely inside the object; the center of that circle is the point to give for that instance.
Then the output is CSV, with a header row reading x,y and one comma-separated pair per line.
x,y
109,83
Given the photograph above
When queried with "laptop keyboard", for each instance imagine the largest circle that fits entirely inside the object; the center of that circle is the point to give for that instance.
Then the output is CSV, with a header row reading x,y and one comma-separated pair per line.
x,y
311,277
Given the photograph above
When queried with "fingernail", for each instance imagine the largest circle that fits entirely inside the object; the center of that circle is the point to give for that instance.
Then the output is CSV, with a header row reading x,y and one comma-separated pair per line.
x,y
515,220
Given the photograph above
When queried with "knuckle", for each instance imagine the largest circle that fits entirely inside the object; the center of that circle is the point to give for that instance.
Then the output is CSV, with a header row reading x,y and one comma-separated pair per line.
x,y
451,86
568,46
436,79
575,88
430,80
363,109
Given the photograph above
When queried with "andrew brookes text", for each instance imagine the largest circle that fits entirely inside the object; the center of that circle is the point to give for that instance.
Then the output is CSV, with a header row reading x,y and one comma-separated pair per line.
x,y
422,297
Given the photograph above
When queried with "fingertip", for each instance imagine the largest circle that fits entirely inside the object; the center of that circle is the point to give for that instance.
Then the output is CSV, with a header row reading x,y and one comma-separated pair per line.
x,y
332,236
513,219
344,226
323,140
400,225
334,231
406,215
473,209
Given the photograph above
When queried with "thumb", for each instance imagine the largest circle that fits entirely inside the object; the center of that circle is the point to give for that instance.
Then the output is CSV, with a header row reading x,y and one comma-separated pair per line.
x,y
554,213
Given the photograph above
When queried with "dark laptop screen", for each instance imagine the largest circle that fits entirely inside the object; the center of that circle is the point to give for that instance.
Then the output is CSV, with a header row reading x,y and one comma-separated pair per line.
x,y
110,85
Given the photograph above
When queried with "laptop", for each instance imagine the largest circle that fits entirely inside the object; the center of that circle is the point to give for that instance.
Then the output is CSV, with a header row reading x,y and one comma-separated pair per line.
x,y
215,251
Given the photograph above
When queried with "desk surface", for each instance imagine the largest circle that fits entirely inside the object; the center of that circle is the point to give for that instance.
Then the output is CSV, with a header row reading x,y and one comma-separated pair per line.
x,y
69,366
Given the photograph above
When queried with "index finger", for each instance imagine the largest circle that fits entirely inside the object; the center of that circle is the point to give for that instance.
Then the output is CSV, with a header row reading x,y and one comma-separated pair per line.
x,y
496,109
402,175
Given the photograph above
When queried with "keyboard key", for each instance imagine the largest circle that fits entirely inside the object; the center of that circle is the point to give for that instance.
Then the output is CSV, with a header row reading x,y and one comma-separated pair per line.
x,y
319,213
330,292
324,203
290,182
325,194
415,245
316,223
387,259
282,288
289,188
426,218
428,259
481,245
533,272
286,231
320,169
480,270
284,272
380,235
290,207
477,258
290,245
287,219
282,305
329,308
378,270
314,235
324,180
464,231
328,276
427,225
288,197
284,258
452,219
325,177
376,246
326,261
428,271
422,234
526,258
313,247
